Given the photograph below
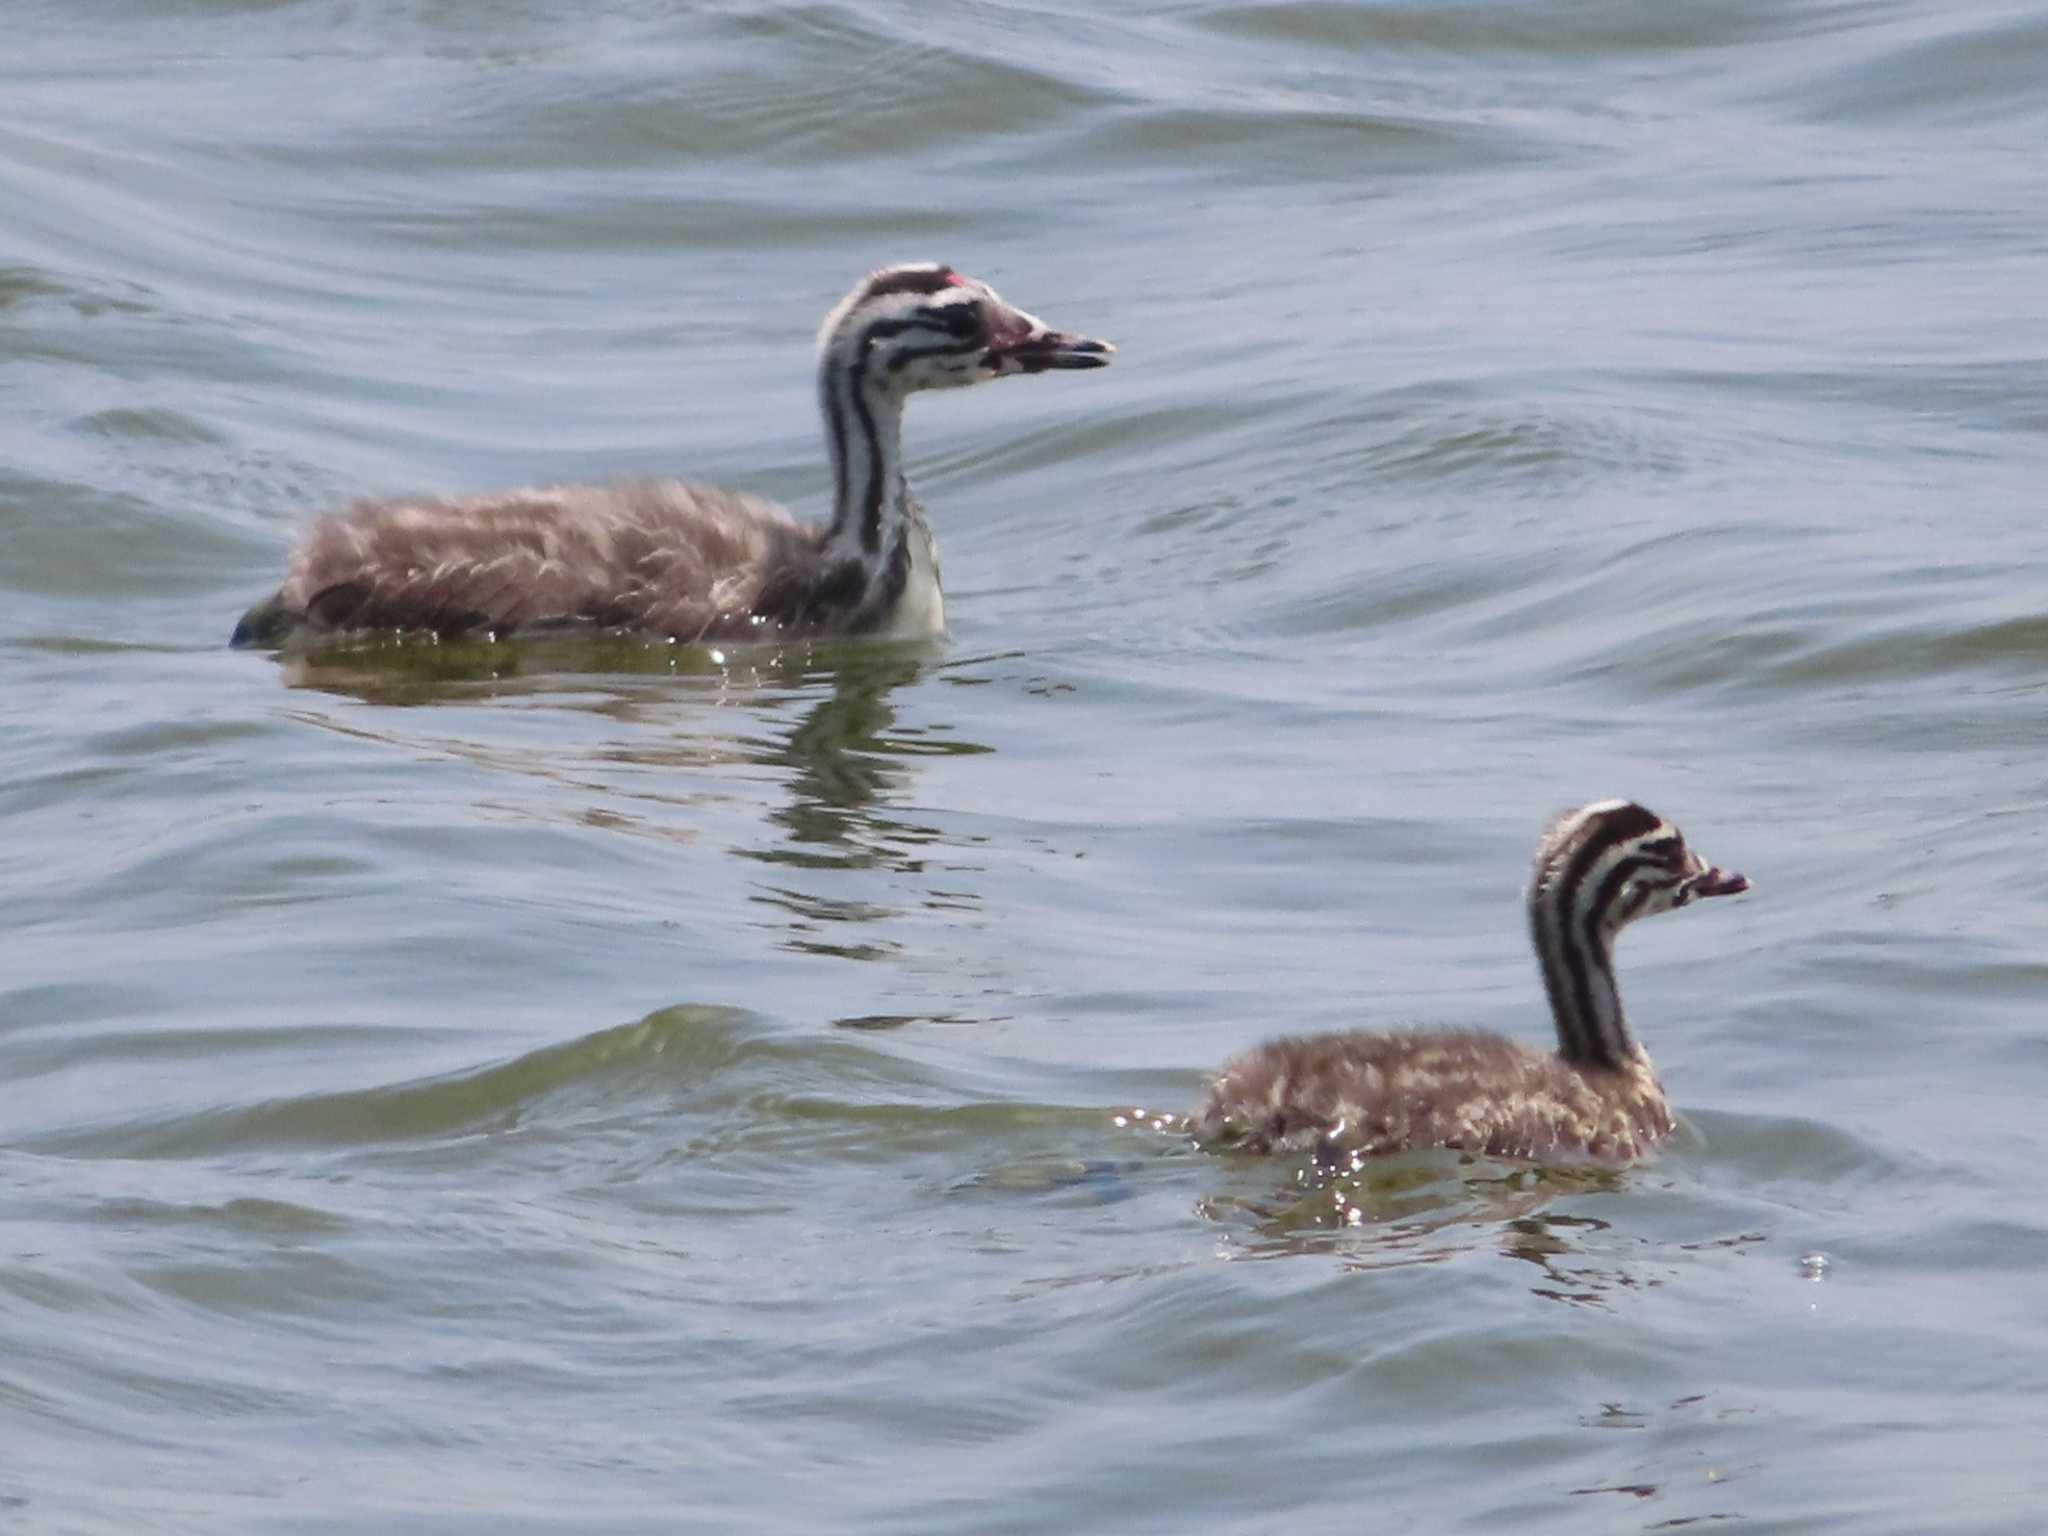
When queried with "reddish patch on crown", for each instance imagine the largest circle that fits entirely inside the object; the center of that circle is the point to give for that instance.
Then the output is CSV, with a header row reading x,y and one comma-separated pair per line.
x,y
934,278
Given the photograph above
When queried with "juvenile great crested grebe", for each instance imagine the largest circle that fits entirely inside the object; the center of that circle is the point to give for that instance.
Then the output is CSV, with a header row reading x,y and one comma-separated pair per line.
x,y
691,562
1598,869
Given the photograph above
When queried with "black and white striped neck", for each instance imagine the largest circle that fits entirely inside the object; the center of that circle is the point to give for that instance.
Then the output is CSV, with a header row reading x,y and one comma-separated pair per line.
x,y
880,556
864,436
902,330
1598,869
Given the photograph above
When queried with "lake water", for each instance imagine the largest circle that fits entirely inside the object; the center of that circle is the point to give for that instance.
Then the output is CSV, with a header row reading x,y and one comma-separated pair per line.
x,y
633,1091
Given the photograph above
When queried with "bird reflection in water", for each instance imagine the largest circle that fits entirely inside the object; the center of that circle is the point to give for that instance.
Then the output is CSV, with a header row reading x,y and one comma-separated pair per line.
x,y
821,719
1429,1208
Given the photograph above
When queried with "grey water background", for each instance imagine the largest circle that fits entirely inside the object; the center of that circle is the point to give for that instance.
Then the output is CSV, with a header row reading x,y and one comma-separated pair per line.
x,y
643,1092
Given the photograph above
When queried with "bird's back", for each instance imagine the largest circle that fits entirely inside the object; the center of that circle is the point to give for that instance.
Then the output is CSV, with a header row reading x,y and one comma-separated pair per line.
x,y
660,557
1404,1091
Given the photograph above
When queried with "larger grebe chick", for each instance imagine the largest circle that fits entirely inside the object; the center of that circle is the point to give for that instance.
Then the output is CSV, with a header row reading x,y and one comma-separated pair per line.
x,y
691,562
1598,869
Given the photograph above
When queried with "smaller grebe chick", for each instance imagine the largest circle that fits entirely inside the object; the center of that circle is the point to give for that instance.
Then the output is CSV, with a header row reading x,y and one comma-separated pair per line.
x,y
1597,1097
676,560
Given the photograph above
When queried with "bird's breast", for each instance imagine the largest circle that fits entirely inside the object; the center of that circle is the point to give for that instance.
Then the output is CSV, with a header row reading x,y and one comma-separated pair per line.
x,y
920,612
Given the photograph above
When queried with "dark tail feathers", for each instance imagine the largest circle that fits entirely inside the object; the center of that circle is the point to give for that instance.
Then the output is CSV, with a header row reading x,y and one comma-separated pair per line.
x,y
264,625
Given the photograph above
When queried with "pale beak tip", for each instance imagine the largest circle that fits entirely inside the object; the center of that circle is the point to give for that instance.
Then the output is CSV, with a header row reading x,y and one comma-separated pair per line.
x,y
1721,882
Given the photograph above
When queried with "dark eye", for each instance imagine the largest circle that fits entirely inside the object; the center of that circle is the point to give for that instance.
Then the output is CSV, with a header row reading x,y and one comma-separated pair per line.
x,y
1667,852
961,320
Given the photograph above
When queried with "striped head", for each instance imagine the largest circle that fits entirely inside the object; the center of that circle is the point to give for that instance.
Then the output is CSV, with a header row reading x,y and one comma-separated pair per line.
x,y
1598,869
926,326
1609,863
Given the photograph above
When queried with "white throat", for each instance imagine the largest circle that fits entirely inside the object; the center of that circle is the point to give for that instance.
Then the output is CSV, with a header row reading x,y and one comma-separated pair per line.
x,y
920,613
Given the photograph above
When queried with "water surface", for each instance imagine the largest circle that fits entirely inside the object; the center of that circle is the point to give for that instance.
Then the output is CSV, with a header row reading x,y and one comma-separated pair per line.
x,y
632,1090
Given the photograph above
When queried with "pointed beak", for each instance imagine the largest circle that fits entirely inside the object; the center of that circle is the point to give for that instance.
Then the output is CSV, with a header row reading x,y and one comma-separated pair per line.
x,y
1056,349
1021,343
1719,882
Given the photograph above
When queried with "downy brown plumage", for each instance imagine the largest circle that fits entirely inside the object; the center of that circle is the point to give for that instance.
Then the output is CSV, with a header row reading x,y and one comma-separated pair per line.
x,y
1361,1094
690,562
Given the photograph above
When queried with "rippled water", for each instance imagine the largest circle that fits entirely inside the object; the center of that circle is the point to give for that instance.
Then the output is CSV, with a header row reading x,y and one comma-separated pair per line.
x,y
613,1090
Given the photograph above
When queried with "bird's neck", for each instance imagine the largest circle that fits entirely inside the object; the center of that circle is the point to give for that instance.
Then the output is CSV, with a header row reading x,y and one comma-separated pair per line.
x,y
1576,953
871,504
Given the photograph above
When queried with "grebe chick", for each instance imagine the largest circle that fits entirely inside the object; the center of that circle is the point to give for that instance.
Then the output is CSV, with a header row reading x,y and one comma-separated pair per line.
x,y
691,562
1598,869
